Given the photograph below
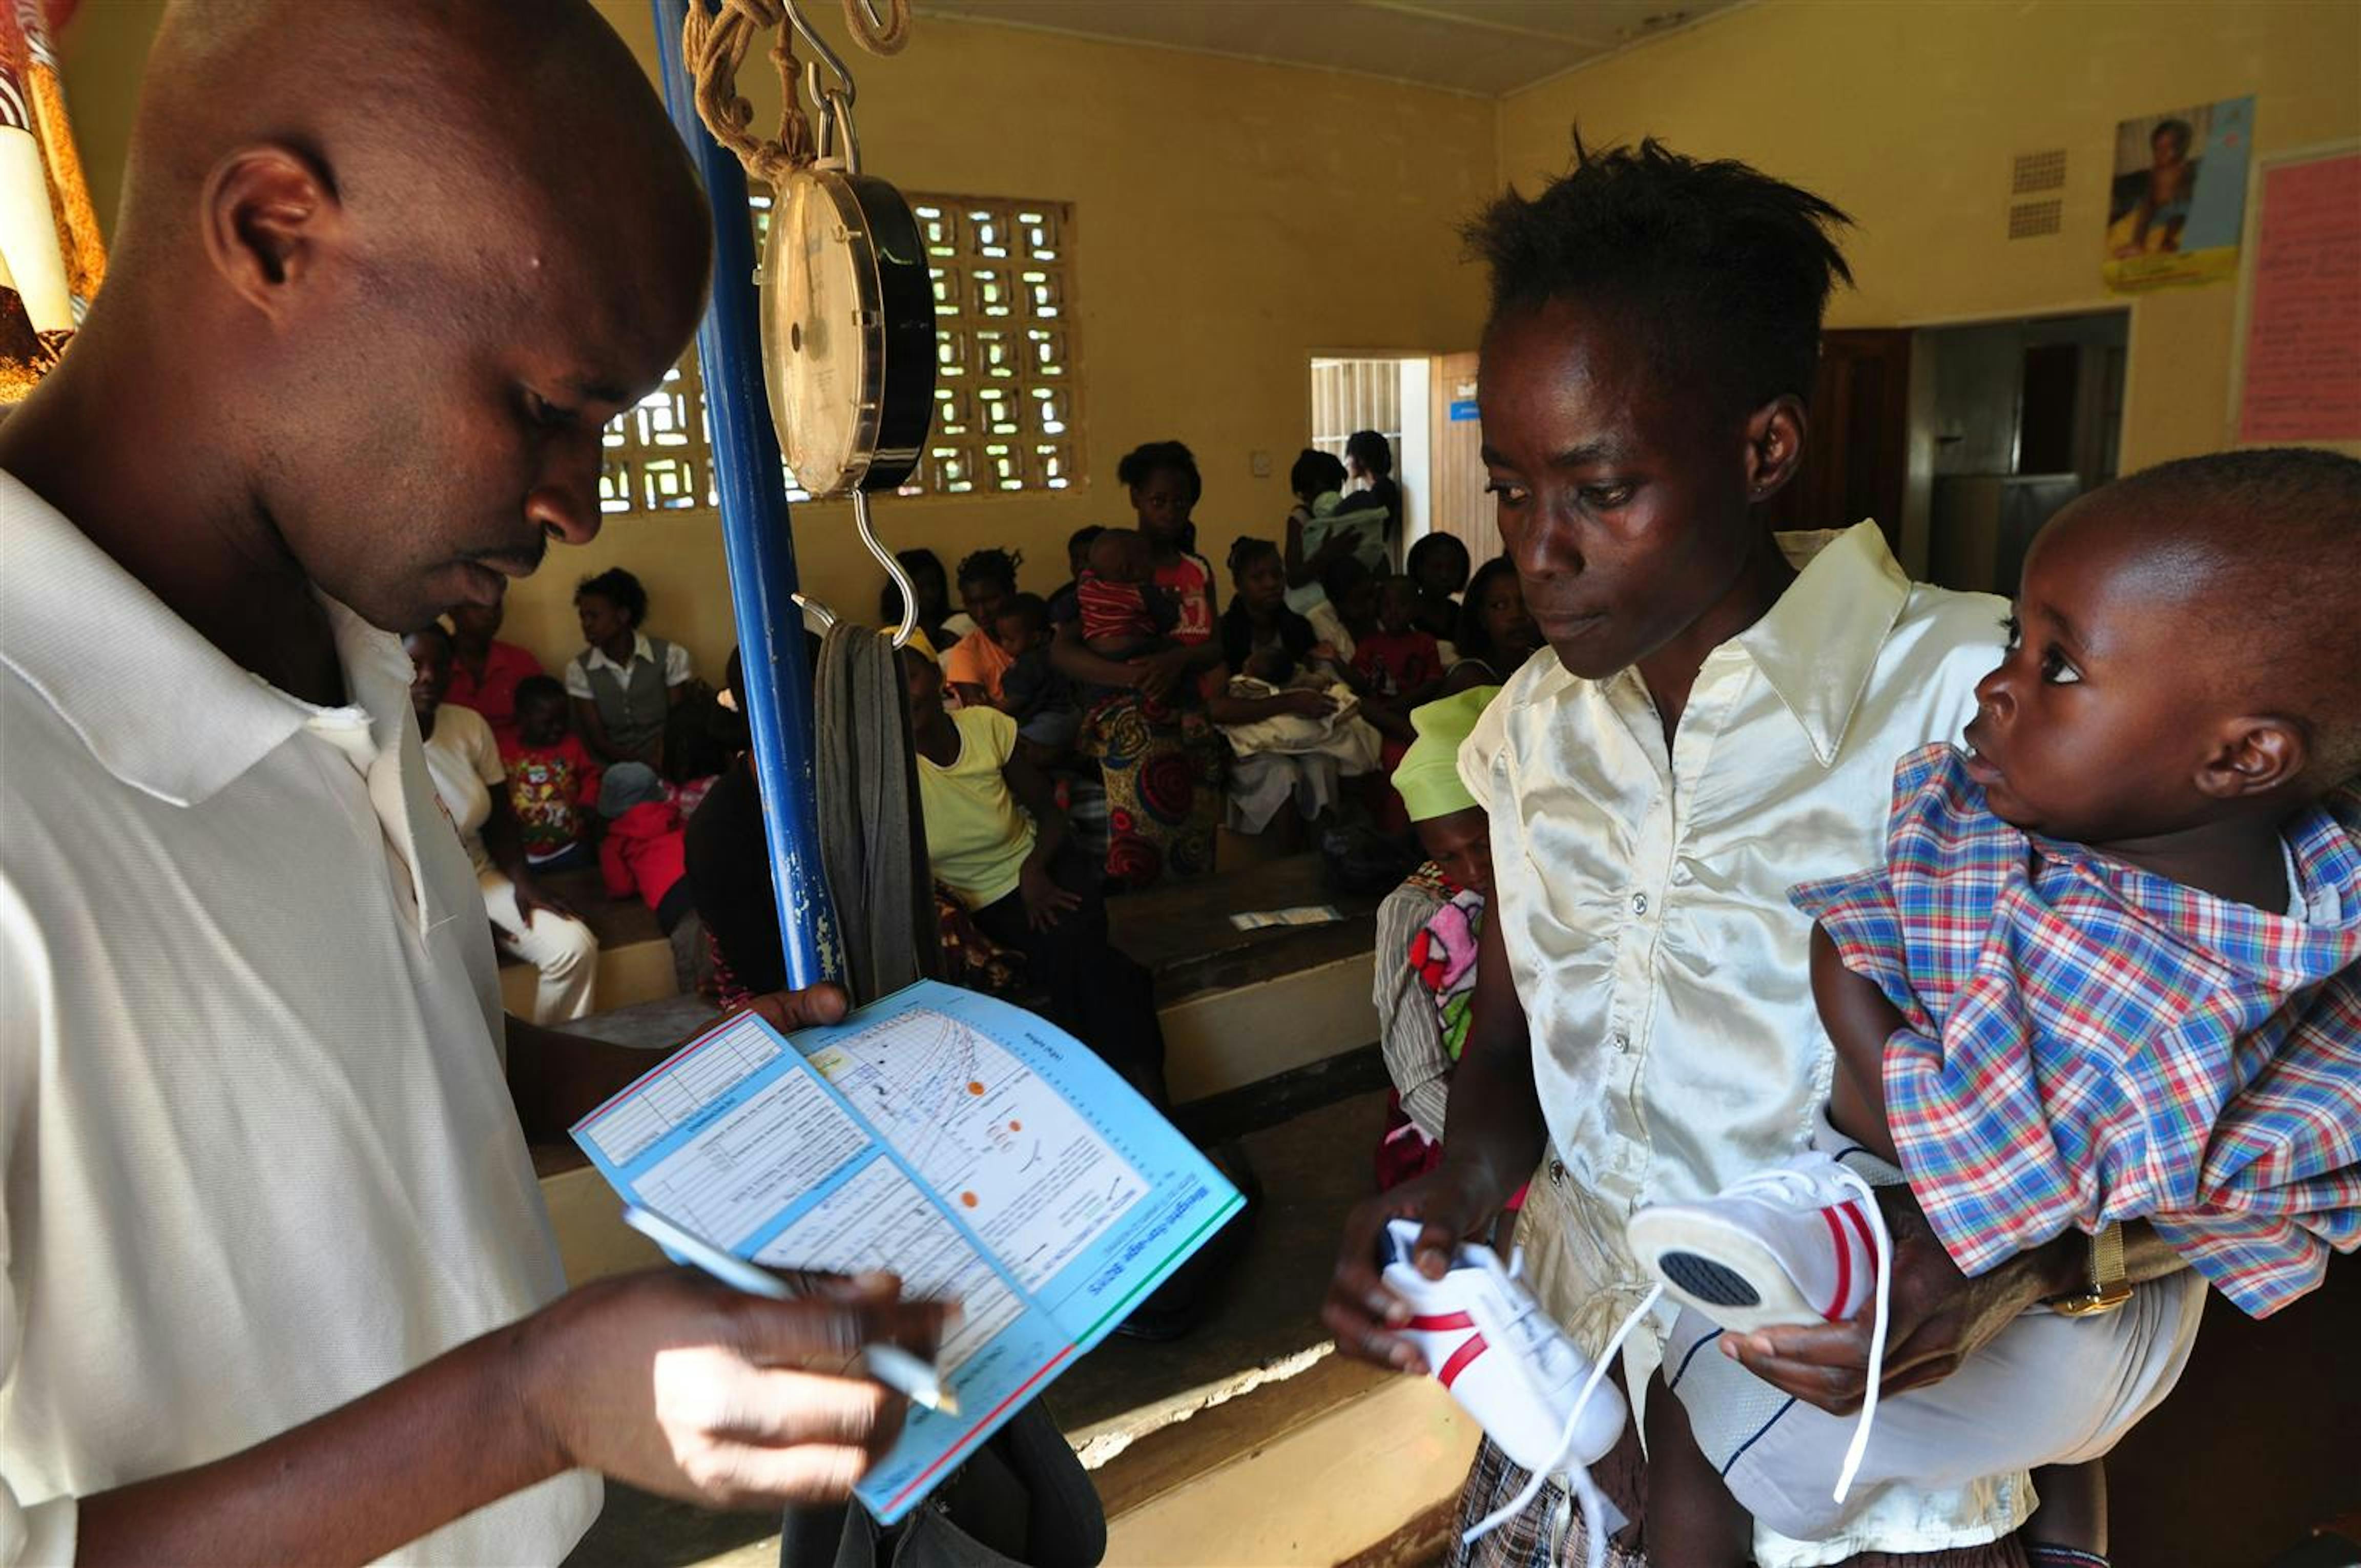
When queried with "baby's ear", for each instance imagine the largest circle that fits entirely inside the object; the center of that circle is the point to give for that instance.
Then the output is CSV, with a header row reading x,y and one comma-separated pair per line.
x,y
2252,756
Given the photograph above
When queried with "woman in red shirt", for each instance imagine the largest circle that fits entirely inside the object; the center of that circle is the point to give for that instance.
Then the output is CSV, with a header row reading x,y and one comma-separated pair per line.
x,y
485,672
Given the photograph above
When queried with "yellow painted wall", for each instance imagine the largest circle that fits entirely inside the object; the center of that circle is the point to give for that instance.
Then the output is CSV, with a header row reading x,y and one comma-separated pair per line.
x,y
1234,218
1231,218
1907,115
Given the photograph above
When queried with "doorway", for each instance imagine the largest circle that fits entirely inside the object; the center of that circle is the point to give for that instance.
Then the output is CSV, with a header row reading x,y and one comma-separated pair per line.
x,y
2015,419
1388,393
1960,441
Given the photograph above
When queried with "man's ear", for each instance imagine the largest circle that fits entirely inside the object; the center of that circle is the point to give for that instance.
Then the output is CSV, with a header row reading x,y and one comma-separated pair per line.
x,y
1775,446
268,209
2252,756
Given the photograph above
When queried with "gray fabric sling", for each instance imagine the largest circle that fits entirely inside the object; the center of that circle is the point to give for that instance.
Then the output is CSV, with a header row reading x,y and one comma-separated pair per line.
x,y
873,842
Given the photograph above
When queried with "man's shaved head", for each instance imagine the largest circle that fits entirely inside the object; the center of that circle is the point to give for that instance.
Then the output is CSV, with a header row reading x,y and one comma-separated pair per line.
x,y
401,259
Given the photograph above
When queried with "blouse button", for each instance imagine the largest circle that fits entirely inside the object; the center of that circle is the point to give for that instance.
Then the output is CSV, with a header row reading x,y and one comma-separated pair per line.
x,y
1639,904
1622,1042
1557,1173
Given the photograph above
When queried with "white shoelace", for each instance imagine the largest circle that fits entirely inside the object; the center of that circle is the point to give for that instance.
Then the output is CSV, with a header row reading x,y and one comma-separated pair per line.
x,y
1577,1476
1781,1183
1777,1182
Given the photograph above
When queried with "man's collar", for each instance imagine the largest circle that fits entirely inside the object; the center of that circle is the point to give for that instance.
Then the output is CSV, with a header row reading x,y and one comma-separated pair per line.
x,y
158,706
1818,645
641,649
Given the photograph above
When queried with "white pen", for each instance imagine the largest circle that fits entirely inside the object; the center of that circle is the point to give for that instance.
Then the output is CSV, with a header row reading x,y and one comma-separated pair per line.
x,y
889,1364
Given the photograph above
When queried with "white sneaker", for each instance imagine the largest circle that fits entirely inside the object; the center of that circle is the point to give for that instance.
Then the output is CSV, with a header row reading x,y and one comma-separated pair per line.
x,y
1800,1243
1487,1341
1796,1243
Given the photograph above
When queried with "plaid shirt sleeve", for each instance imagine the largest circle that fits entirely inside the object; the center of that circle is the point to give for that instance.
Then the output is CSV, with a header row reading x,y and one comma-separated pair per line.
x,y
2111,1045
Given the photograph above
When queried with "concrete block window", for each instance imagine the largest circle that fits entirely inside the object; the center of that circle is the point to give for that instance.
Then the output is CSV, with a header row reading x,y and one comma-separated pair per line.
x,y
1007,369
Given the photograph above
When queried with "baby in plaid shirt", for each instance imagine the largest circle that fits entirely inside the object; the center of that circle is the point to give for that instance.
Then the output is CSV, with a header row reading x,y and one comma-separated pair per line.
x,y
2108,973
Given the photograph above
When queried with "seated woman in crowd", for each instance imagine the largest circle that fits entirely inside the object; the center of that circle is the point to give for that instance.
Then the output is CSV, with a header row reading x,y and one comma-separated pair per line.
x,y
1160,756
942,624
1439,564
624,682
996,837
1496,635
1278,697
1428,929
484,669
972,666
465,763
1713,727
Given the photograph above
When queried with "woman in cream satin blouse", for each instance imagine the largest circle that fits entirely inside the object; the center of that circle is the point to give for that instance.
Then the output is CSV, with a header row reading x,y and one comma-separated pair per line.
x,y
1708,727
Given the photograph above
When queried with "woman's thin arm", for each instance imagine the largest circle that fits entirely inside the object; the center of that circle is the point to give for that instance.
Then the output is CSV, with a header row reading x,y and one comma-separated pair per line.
x,y
1072,657
1032,789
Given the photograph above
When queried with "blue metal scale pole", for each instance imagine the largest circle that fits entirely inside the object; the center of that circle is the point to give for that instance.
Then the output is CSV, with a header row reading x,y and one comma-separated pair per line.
x,y
756,537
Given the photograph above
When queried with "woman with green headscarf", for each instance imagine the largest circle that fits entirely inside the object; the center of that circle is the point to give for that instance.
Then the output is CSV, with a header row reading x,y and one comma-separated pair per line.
x,y
1427,931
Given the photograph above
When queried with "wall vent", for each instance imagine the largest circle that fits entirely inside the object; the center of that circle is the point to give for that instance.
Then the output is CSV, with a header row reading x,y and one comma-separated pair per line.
x,y
2030,220
2038,172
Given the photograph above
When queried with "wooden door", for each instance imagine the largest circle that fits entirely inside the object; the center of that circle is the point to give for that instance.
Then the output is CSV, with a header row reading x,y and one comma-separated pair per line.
x,y
1857,453
1458,504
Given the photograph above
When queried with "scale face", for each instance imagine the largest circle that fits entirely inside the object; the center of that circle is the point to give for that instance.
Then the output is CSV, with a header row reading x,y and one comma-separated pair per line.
x,y
848,331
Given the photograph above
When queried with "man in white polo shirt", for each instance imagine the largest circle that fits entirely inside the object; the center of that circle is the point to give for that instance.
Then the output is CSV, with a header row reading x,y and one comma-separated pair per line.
x,y
279,1284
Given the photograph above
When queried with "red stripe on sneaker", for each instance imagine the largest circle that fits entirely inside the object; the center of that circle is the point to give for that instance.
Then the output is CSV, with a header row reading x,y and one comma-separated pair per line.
x,y
1442,1320
1834,1310
1868,1244
1469,1349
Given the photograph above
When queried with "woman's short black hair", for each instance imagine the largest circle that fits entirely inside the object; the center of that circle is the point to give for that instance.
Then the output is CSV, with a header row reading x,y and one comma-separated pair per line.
x,y
1726,271
2180,131
1315,474
1372,451
1473,641
1437,545
1142,464
992,566
619,588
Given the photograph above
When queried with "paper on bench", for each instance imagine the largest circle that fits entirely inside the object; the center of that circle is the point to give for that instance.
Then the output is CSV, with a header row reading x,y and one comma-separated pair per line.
x,y
975,1151
1301,914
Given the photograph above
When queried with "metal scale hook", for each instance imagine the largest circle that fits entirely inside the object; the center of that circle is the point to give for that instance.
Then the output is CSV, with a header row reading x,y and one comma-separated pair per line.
x,y
837,144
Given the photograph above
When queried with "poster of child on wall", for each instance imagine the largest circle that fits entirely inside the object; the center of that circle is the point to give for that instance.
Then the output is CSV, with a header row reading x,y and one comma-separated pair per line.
x,y
2180,196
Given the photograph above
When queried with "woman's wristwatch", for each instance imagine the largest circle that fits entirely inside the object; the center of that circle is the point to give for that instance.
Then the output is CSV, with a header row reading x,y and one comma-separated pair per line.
x,y
2109,1289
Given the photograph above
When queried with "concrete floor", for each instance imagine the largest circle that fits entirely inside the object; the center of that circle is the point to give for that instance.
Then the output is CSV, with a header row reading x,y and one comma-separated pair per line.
x,y
1313,1167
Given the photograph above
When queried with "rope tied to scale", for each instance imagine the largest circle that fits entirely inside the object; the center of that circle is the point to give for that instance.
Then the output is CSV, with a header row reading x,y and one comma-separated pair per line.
x,y
714,43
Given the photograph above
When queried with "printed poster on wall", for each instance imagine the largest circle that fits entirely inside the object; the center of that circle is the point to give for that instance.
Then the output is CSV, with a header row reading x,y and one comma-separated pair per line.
x,y
2302,371
2180,196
